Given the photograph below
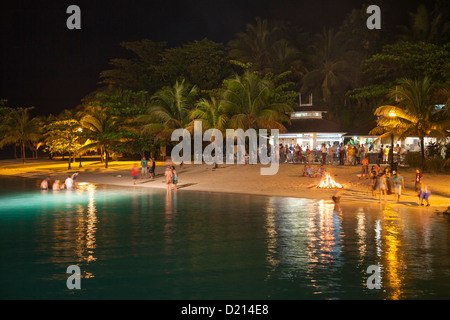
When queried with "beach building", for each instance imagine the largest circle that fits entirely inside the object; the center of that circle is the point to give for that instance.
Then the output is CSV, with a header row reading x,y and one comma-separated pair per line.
x,y
309,128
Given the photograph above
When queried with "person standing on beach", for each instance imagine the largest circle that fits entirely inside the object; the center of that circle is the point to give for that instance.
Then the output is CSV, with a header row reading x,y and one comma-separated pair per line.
x,y
399,184
169,177
374,177
153,168
323,150
365,168
134,173
381,181
174,178
418,181
386,155
144,170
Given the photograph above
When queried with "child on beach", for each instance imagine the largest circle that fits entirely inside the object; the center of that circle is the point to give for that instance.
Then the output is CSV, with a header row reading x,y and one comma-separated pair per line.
x,y
134,173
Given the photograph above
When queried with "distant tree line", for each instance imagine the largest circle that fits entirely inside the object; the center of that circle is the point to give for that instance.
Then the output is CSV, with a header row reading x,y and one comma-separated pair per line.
x,y
253,81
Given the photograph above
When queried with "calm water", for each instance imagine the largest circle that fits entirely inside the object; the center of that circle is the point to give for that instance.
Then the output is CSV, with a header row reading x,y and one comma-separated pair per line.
x,y
142,244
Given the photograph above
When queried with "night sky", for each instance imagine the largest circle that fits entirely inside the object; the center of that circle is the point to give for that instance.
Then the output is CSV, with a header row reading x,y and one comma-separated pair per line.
x,y
46,65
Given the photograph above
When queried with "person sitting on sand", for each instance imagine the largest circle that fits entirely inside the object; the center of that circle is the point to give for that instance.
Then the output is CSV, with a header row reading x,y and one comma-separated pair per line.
x,y
305,171
321,171
310,172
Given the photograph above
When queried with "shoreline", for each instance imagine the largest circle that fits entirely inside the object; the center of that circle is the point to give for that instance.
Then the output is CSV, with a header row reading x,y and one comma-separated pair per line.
x,y
240,179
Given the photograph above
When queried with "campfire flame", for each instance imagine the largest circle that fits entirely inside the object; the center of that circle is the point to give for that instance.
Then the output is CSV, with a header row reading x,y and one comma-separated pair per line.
x,y
328,183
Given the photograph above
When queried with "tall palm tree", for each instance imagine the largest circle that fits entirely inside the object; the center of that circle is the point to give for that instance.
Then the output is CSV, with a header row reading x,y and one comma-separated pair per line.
x,y
212,114
426,26
415,115
17,127
249,103
330,68
264,47
169,109
100,127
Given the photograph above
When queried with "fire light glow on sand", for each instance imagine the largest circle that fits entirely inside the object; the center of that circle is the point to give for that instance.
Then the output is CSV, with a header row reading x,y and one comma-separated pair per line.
x,y
328,183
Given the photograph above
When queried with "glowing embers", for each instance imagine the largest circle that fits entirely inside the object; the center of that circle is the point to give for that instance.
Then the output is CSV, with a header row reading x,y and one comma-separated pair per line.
x,y
328,183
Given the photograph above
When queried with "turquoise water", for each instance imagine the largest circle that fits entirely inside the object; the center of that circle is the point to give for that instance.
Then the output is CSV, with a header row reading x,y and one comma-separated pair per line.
x,y
135,243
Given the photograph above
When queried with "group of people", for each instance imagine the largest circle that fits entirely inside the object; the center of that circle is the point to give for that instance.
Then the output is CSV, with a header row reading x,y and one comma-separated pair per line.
x,y
171,178
308,171
148,169
342,154
385,182
68,184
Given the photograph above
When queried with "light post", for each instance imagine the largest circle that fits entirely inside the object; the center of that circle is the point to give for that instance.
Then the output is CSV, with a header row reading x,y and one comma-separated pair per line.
x,y
80,130
391,150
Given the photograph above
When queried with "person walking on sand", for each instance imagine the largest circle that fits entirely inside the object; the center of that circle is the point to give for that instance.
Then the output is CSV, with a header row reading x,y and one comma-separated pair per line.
x,y
424,194
169,177
144,169
134,173
399,184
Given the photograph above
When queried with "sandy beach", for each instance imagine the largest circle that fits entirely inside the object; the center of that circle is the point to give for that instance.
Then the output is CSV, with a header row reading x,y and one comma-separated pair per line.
x,y
242,179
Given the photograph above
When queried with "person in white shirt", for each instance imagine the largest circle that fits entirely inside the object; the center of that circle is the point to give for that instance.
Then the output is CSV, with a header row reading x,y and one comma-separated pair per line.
x,y
69,183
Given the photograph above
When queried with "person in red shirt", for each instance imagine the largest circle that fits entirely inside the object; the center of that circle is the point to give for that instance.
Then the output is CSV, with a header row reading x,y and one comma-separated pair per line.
x,y
135,173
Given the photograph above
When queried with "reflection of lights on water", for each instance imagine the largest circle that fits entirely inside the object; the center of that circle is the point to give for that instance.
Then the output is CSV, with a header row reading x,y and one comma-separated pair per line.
x,y
393,264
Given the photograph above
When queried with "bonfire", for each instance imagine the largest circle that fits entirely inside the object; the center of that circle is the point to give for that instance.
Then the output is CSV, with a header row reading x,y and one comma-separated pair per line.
x,y
328,183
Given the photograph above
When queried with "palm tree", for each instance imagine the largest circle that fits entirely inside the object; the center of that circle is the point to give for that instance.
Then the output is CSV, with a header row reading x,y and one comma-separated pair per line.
x,y
249,103
100,127
415,115
169,109
330,68
264,48
212,114
19,128
425,26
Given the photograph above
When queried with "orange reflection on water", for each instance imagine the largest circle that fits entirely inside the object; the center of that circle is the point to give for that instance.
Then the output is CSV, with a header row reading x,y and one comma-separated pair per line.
x,y
393,260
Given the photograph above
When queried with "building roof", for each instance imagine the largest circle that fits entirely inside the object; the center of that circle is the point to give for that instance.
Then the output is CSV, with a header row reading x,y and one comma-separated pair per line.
x,y
312,126
309,108
362,130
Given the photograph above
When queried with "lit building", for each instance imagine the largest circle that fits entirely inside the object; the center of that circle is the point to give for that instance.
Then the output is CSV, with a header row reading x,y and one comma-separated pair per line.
x,y
309,128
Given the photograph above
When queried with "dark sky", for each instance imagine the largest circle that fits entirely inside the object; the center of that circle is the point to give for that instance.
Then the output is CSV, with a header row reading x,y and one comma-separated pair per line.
x,y
43,64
